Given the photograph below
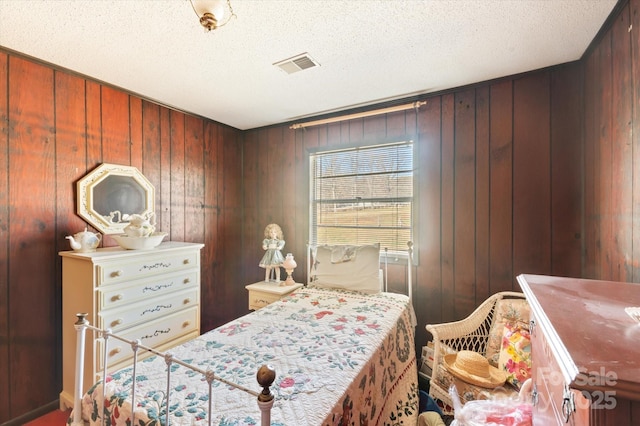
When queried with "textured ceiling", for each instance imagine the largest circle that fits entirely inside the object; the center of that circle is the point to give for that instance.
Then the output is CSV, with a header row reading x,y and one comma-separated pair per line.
x,y
369,51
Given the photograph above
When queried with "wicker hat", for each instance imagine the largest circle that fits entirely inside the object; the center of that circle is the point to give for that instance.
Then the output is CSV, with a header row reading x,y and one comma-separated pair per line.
x,y
473,368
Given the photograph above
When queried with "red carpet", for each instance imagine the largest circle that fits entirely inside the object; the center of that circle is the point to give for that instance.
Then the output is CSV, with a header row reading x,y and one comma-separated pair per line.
x,y
54,418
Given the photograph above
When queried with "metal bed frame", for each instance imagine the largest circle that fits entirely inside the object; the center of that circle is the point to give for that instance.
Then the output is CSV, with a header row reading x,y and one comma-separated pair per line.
x,y
265,375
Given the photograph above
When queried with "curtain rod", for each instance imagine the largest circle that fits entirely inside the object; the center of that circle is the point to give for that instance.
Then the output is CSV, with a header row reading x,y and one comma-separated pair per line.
x,y
413,105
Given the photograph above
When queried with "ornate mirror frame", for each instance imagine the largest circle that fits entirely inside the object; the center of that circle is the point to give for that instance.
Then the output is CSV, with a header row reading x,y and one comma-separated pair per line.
x,y
109,194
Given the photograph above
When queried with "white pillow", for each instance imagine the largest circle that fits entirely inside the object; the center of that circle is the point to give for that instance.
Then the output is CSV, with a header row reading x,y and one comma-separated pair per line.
x,y
348,267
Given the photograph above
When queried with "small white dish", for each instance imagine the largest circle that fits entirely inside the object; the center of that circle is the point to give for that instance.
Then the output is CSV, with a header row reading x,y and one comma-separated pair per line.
x,y
140,243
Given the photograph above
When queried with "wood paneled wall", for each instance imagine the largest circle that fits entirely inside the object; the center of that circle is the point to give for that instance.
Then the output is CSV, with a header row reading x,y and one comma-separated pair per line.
x,y
612,151
498,186
503,182
54,127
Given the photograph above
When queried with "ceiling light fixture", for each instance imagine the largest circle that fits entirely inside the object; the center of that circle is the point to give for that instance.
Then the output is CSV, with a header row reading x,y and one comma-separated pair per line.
x,y
212,12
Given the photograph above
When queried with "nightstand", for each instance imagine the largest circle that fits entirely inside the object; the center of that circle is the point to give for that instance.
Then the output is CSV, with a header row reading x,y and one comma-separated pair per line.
x,y
261,293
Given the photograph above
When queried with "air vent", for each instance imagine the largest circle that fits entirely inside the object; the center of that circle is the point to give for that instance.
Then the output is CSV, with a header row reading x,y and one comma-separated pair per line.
x,y
297,63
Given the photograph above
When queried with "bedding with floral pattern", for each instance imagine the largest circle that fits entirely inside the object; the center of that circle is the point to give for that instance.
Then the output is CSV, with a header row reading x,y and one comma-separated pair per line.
x,y
341,358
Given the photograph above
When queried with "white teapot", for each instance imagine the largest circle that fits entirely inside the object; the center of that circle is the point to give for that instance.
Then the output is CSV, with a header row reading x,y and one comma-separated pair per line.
x,y
84,241
140,225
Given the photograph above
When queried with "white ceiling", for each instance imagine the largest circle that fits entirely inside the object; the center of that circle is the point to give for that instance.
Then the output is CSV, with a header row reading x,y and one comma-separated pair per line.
x,y
370,51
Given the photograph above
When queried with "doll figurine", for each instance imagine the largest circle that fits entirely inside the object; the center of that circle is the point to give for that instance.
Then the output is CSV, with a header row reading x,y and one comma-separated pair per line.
x,y
272,244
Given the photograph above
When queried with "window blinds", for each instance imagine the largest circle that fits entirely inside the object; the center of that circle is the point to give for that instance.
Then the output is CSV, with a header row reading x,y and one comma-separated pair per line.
x,y
363,195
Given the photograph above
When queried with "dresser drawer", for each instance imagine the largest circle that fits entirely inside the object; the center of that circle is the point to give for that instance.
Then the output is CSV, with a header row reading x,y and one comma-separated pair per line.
x,y
159,332
118,295
147,310
260,299
548,382
262,294
111,273
556,403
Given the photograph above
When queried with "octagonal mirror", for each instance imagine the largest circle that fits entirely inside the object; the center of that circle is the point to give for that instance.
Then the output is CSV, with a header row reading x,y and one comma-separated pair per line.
x,y
111,193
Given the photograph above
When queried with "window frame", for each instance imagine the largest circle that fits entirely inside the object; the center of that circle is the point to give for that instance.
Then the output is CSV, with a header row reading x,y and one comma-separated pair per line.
x,y
390,256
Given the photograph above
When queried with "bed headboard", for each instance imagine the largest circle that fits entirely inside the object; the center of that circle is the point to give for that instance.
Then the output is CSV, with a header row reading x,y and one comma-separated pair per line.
x,y
354,267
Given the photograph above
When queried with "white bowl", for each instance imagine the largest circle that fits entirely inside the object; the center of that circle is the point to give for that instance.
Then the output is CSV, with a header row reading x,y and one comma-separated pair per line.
x,y
140,243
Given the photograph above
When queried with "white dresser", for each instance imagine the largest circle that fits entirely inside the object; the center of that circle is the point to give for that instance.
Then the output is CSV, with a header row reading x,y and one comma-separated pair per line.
x,y
151,295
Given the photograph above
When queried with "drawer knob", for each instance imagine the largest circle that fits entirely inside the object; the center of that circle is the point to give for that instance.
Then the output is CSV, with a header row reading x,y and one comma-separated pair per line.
x,y
187,300
116,297
187,281
115,351
186,261
116,273
186,324
116,322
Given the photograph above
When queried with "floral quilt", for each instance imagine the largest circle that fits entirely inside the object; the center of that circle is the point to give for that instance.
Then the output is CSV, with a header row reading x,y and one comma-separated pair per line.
x,y
341,358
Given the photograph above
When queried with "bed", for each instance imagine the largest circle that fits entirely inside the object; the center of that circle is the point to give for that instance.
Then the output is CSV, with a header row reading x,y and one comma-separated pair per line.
x,y
342,354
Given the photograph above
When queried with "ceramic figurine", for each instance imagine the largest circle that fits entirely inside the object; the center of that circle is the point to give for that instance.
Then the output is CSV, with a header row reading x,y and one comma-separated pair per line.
x,y
140,225
273,243
84,241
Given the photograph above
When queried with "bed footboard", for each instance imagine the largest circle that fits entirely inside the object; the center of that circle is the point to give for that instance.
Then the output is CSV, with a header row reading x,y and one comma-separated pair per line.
x,y
265,375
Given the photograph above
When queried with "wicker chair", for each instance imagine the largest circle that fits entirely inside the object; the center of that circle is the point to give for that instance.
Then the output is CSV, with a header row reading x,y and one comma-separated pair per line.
x,y
472,333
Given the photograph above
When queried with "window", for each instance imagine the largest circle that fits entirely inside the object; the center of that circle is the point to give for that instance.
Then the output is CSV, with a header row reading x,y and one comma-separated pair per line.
x,y
363,195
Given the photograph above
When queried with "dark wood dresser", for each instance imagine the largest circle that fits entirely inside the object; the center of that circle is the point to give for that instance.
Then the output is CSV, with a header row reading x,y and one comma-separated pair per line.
x,y
585,351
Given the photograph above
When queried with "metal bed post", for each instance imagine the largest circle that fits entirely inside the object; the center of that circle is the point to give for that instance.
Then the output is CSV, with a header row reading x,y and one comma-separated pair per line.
x,y
409,271
386,269
81,327
210,377
168,359
135,345
265,376
105,336
309,250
